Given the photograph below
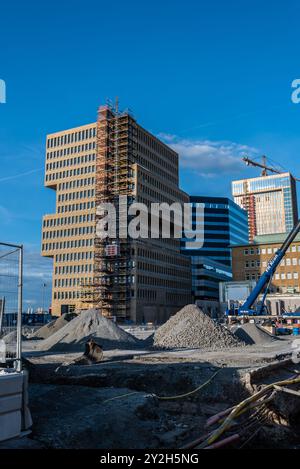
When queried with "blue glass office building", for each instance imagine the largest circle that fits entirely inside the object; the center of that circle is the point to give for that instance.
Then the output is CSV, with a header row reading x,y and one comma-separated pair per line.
x,y
219,223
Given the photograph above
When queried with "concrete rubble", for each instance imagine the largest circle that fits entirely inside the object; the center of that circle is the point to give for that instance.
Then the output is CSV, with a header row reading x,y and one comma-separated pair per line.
x,y
191,328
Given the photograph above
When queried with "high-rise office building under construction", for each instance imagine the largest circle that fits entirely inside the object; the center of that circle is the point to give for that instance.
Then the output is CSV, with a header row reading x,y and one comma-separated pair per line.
x,y
271,203
144,279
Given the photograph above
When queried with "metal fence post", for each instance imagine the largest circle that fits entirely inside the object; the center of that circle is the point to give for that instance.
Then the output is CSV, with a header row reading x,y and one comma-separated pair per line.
x,y
20,309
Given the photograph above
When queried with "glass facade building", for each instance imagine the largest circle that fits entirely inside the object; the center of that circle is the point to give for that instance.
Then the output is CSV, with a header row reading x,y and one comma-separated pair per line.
x,y
271,203
219,223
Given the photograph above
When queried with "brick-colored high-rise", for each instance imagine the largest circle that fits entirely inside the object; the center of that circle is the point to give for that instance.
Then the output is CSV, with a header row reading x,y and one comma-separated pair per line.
x,y
141,280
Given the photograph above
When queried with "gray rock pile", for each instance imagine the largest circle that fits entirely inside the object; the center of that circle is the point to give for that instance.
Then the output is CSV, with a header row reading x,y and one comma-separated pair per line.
x,y
48,329
251,334
88,324
191,328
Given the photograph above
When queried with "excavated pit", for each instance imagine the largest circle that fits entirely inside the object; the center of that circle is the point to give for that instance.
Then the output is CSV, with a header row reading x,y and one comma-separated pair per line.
x,y
125,395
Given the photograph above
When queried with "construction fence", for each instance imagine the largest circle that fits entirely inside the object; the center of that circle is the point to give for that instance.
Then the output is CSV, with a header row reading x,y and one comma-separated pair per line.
x,y
11,273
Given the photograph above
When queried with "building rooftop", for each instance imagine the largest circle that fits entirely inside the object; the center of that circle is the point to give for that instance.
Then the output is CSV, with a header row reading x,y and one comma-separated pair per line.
x,y
277,238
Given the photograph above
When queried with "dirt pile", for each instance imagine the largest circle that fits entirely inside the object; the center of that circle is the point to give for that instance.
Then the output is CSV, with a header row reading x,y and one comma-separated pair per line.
x,y
191,328
251,334
89,324
48,329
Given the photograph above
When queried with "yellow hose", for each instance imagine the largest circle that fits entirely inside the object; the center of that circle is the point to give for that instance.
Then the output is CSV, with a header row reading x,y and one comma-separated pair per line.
x,y
164,398
119,397
241,406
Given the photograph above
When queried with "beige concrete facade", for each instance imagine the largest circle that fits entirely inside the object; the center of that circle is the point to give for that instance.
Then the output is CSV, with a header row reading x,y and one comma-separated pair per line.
x,y
161,276
250,261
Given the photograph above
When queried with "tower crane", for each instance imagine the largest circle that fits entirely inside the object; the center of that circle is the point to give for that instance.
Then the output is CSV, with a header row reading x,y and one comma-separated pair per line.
x,y
265,168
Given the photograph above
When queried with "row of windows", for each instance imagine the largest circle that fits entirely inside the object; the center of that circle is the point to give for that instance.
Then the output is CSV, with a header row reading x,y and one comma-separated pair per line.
x,y
278,276
74,256
147,163
84,230
288,276
146,294
76,183
161,187
251,251
66,139
73,269
74,243
76,195
71,150
75,207
117,279
79,160
68,220
159,269
159,256
252,264
288,261
70,173
68,282
157,146
71,295
161,282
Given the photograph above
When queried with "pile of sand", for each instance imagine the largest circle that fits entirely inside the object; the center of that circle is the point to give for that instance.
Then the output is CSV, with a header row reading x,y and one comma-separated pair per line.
x,y
251,334
89,324
191,328
48,329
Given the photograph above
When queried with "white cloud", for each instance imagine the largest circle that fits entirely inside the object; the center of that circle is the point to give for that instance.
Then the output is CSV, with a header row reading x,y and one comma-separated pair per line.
x,y
209,158
37,273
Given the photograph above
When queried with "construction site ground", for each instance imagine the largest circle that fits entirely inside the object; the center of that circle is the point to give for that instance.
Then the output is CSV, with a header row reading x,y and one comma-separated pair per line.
x,y
115,404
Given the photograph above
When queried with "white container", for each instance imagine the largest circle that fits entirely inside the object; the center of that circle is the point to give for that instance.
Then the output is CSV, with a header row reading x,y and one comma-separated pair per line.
x,y
11,391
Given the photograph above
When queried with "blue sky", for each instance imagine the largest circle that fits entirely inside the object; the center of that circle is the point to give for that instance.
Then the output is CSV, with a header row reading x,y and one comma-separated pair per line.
x,y
212,78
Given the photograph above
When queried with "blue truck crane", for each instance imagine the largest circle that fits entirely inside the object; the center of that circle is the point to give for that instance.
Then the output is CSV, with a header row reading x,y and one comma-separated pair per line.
x,y
264,282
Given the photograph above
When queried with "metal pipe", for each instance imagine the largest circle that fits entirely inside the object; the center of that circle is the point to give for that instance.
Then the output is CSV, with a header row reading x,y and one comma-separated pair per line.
x,y
2,313
20,308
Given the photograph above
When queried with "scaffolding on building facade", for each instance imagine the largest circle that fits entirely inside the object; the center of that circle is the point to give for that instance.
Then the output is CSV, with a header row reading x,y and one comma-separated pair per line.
x,y
116,154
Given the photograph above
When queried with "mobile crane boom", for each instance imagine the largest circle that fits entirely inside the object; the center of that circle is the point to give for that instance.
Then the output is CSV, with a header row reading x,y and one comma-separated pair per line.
x,y
265,279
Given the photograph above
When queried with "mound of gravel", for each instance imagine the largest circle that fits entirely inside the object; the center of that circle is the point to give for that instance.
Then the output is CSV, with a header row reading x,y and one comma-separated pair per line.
x,y
191,328
48,329
88,324
11,338
251,334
